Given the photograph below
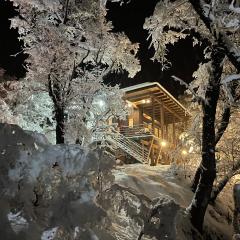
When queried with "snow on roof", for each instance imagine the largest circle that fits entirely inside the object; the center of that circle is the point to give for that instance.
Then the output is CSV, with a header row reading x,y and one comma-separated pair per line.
x,y
169,96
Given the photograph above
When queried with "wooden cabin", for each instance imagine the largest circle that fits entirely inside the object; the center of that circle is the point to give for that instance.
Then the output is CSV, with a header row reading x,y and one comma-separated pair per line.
x,y
155,121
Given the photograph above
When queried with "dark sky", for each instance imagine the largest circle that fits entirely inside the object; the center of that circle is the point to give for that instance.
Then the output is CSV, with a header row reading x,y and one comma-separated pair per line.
x,y
128,18
9,43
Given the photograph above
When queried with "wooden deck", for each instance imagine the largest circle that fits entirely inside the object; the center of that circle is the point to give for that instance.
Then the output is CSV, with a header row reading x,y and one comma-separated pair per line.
x,y
156,117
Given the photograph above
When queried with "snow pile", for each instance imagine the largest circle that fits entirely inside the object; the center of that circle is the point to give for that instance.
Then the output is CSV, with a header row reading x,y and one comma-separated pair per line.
x,y
135,216
65,192
154,182
51,191
158,188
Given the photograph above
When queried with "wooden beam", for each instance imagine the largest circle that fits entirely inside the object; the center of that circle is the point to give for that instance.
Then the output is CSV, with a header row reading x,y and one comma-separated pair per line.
x,y
167,137
153,114
138,97
150,149
169,110
174,133
162,121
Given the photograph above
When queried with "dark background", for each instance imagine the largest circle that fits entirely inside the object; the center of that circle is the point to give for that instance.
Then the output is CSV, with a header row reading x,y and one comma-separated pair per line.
x,y
9,43
128,18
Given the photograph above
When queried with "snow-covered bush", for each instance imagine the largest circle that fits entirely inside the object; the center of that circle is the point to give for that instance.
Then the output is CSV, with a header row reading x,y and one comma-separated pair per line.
x,y
36,114
91,112
51,189
76,48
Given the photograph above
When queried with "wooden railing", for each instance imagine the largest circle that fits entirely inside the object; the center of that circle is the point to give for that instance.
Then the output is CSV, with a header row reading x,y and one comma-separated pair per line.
x,y
119,140
136,131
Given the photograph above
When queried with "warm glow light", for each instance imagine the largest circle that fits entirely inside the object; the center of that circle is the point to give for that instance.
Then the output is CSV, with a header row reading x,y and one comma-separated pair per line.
x,y
184,152
145,101
190,149
101,103
129,104
163,143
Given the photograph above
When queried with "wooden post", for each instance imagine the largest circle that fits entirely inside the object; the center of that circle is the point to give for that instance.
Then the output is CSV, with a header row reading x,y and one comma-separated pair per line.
x,y
153,163
153,115
142,150
140,115
174,133
167,137
149,151
159,154
162,121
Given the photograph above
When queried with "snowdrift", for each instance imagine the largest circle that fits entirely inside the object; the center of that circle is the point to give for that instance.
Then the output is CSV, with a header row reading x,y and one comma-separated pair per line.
x,y
67,192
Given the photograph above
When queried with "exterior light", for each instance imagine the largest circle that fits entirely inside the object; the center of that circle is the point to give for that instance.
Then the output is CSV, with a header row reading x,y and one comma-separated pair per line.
x,y
145,101
184,152
129,104
163,143
101,103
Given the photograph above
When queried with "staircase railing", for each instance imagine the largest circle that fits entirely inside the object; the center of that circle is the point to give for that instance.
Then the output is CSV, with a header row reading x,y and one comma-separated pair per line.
x,y
129,146
133,148
136,131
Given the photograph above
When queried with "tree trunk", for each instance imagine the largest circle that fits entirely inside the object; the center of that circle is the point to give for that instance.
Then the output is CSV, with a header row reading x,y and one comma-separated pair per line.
x,y
221,129
60,125
196,179
224,181
220,186
56,92
202,195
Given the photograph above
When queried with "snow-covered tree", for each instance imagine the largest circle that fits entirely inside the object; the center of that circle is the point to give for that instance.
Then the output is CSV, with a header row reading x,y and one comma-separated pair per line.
x,y
92,112
9,95
35,113
51,191
228,161
19,105
68,41
217,23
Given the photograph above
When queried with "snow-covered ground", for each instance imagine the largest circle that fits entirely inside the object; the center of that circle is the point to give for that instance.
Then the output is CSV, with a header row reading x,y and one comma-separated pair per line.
x,y
143,202
162,182
153,182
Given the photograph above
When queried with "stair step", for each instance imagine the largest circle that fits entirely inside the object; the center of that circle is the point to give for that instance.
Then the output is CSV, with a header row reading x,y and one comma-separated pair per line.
x,y
131,147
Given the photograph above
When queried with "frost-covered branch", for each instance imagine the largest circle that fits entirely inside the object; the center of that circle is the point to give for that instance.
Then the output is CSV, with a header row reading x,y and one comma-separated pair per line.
x,y
230,78
221,37
223,123
227,86
233,8
183,83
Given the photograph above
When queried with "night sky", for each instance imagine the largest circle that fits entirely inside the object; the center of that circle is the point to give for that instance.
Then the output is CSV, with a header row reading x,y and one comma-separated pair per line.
x,y
128,18
9,43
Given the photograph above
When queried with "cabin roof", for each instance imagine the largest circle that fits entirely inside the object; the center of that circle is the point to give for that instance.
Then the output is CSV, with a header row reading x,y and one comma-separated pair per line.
x,y
174,111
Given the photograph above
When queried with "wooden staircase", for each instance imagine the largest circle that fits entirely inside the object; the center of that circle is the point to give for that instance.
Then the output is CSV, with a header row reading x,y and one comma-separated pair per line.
x,y
124,142
129,146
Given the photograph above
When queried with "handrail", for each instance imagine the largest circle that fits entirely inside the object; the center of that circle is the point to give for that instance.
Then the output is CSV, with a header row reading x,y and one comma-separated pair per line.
x,y
124,142
132,148
137,131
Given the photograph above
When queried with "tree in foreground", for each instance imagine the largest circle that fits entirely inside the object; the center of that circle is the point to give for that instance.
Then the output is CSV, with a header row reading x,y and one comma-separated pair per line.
x,y
70,49
217,24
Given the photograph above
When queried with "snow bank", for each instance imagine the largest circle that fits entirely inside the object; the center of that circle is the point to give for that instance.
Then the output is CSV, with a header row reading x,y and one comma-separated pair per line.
x,y
69,193
49,191
160,183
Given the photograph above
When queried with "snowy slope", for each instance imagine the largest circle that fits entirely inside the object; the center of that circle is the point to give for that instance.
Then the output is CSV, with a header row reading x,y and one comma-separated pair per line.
x,y
53,192
161,182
